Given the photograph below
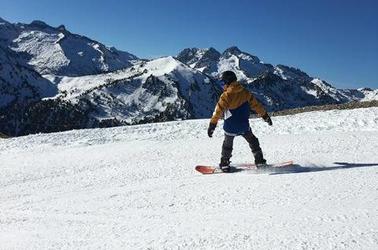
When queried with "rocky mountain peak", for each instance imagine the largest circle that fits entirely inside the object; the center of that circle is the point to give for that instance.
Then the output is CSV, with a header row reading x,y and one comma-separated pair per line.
x,y
232,50
235,51
3,21
287,72
62,28
211,54
186,55
39,24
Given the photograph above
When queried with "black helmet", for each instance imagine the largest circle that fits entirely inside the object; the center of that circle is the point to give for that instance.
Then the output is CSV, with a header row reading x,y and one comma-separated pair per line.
x,y
228,77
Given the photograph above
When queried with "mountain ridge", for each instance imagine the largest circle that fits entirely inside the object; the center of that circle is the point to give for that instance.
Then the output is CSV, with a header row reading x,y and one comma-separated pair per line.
x,y
55,50
80,83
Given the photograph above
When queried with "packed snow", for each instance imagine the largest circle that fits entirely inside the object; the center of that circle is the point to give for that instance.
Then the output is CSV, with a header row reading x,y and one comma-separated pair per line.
x,y
135,187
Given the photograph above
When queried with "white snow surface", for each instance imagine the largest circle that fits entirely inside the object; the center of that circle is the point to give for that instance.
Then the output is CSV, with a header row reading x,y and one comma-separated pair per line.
x,y
370,95
135,187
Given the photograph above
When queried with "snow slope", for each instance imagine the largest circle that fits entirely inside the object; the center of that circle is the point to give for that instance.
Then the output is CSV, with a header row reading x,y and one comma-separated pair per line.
x,y
147,88
246,67
18,82
135,187
370,95
55,50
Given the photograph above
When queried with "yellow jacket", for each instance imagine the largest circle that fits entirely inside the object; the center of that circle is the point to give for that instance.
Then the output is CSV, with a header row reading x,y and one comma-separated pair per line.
x,y
234,96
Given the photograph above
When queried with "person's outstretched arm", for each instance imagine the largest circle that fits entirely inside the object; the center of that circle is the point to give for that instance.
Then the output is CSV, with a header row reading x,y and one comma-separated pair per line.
x,y
259,108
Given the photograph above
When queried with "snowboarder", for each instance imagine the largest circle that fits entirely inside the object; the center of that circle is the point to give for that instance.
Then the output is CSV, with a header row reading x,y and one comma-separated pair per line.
x,y
234,105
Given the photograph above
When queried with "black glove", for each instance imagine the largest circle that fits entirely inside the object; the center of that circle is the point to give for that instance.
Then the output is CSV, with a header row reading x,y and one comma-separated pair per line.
x,y
211,129
267,119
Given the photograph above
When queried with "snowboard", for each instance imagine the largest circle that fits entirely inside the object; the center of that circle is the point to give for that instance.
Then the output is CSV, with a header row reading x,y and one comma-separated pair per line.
x,y
206,169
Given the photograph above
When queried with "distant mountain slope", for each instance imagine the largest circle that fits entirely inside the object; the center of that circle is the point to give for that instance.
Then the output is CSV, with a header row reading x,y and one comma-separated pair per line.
x,y
52,80
57,51
278,87
158,90
146,91
19,83
212,62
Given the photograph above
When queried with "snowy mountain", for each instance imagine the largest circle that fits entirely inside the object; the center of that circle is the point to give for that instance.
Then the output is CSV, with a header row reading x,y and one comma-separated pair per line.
x,y
147,91
212,62
245,65
362,94
57,51
19,83
278,87
159,90
53,80
204,60
135,187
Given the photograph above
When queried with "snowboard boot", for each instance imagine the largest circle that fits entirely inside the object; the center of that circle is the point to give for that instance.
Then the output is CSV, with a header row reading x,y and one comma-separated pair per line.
x,y
260,162
224,165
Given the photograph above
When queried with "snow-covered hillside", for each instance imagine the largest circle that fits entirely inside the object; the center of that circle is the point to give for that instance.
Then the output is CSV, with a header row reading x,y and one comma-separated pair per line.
x,y
210,61
362,94
369,94
147,89
158,90
57,51
53,80
279,87
135,187
19,83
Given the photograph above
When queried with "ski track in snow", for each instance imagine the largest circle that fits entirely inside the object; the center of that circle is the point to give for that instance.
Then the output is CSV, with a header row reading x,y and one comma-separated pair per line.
x,y
135,187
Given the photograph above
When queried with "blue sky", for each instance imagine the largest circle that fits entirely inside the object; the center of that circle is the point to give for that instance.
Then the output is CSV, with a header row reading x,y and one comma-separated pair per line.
x,y
336,40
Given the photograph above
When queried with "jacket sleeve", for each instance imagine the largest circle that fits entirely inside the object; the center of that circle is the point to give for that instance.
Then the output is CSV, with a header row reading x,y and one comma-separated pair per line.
x,y
256,105
221,106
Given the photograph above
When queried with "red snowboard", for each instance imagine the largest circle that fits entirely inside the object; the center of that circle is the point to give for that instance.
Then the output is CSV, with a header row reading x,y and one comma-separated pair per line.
x,y
240,167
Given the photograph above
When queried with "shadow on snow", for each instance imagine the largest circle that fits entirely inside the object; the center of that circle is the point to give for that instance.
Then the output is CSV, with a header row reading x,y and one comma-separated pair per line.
x,y
295,168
